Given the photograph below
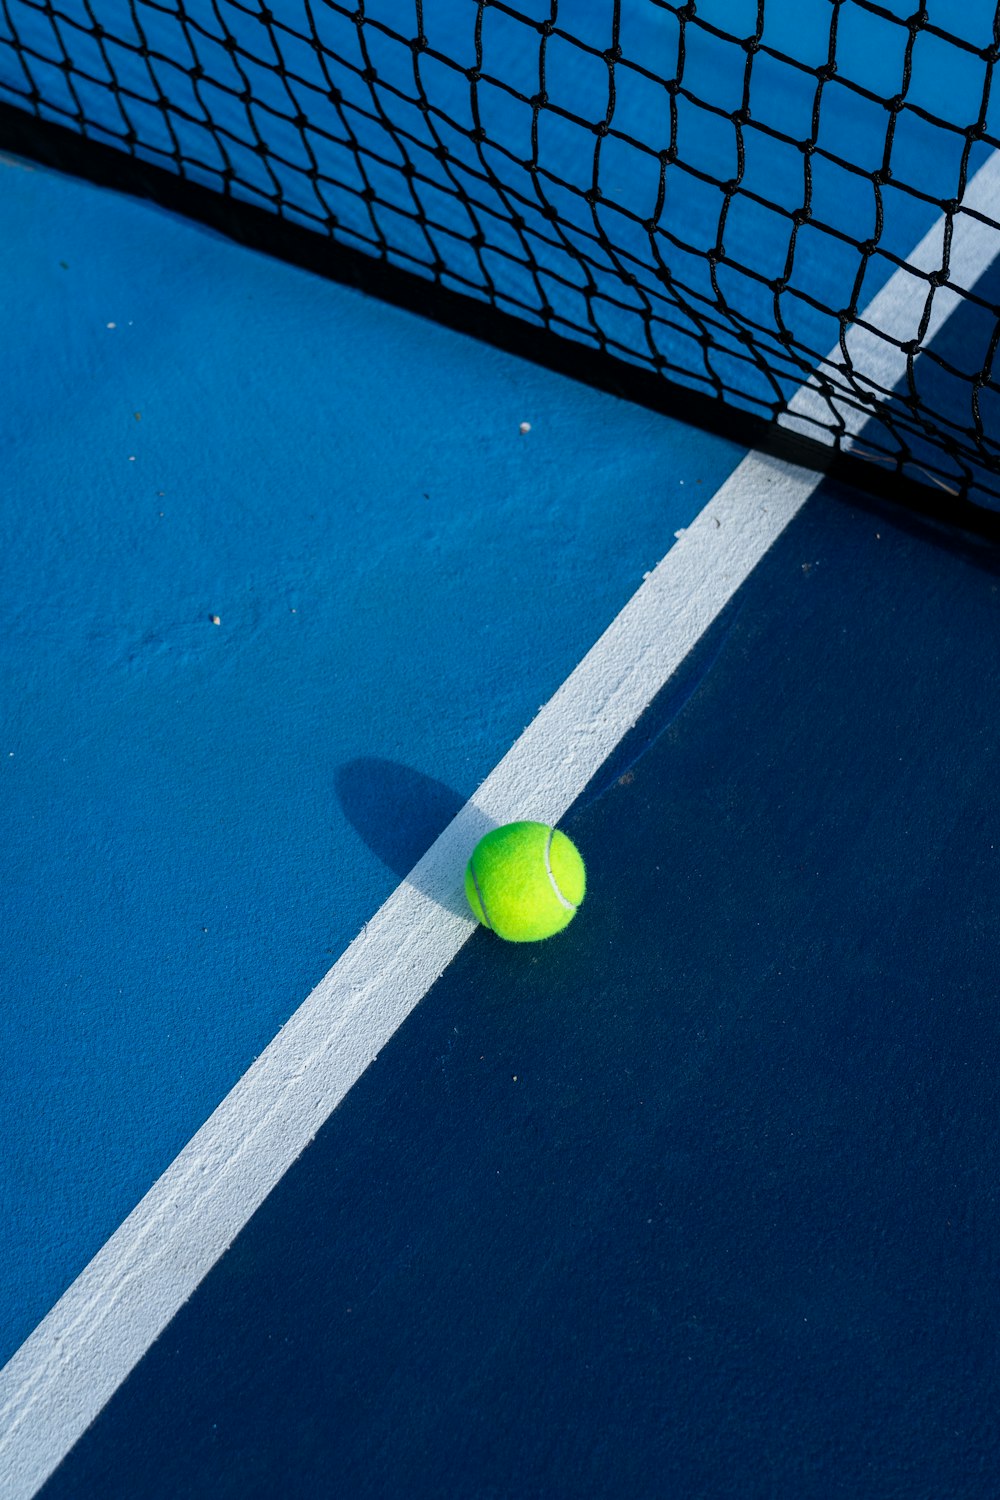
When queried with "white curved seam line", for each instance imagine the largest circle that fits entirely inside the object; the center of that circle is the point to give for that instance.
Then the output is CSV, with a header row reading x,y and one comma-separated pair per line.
x,y
548,870
482,903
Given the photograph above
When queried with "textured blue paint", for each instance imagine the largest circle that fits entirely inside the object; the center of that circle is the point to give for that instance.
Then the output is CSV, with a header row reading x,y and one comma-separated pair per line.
x,y
189,813
699,1200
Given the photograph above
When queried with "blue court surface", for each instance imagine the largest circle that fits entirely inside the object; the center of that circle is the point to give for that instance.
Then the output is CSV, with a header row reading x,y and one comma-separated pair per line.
x,y
310,1187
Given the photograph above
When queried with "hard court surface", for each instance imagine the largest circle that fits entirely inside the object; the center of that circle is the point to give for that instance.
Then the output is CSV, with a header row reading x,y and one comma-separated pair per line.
x,y
698,1198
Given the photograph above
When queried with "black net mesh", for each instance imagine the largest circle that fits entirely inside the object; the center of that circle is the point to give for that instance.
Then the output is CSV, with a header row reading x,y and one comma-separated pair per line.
x,y
700,215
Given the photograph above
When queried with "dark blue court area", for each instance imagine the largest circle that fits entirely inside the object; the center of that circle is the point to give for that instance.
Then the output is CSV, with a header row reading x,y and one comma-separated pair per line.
x,y
698,1199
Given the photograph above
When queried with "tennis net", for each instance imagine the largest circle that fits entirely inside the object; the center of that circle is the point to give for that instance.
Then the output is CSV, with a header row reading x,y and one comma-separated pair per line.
x,y
692,205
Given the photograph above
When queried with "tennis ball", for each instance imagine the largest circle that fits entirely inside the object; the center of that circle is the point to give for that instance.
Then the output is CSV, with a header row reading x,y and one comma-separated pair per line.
x,y
525,881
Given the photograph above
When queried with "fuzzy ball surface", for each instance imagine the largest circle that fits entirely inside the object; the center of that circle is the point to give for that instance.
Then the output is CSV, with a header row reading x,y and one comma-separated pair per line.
x,y
525,881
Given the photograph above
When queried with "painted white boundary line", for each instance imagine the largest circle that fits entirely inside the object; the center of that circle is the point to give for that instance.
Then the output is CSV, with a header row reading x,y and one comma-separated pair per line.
x,y
78,1356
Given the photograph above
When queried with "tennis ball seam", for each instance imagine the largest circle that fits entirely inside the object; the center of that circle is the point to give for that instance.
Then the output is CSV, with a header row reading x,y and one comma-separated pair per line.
x,y
482,903
525,904
569,905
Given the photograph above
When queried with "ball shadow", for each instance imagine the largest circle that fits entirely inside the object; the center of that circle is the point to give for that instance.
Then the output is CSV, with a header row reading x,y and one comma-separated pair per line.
x,y
396,811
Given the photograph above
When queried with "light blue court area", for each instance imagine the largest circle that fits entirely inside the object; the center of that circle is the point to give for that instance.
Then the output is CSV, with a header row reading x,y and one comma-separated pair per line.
x,y
281,579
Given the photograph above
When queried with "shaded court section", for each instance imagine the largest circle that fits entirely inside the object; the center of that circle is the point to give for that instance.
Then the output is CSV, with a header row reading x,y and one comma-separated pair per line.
x,y
698,1198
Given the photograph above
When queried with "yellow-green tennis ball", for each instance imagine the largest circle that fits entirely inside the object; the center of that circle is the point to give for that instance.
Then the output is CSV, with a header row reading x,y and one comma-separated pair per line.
x,y
525,881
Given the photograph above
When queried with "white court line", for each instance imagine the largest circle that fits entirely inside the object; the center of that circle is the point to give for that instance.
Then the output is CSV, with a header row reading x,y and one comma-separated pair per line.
x,y
78,1356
